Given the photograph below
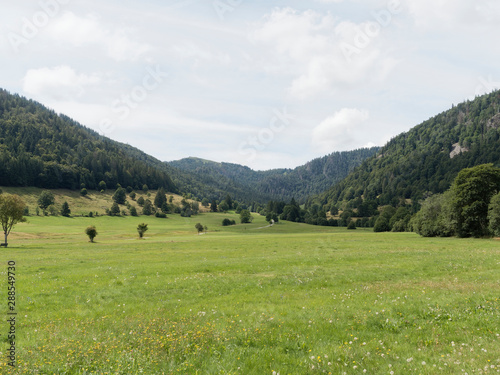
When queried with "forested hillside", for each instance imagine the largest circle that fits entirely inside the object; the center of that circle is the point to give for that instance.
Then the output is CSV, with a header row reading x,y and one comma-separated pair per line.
x,y
43,149
426,159
246,184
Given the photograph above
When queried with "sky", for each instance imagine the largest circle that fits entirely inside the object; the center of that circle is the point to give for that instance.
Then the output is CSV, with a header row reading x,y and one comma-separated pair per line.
x,y
267,84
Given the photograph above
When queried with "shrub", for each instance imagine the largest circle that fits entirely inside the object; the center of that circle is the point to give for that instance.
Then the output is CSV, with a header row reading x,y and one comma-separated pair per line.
x,y
91,232
141,229
227,222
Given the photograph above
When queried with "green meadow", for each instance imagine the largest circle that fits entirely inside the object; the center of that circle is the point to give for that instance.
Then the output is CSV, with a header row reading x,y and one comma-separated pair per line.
x,y
248,299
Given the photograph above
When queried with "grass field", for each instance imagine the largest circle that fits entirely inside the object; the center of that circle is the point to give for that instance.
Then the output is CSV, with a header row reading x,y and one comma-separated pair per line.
x,y
287,299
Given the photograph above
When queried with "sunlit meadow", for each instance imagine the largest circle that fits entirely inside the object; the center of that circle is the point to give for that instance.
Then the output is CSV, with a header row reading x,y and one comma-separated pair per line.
x,y
287,299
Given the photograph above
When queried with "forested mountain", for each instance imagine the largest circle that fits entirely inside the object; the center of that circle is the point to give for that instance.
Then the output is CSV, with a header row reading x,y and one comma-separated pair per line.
x,y
41,148
426,159
246,184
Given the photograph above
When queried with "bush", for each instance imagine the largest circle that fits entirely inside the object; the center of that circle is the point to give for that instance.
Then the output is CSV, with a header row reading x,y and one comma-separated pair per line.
x,y
381,225
65,211
120,195
115,210
245,217
141,229
46,199
133,211
83,192
227,222
351,225
91,232
161,215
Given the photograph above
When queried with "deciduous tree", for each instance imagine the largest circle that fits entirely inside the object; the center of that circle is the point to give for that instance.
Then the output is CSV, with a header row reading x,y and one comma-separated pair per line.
x,y
11,212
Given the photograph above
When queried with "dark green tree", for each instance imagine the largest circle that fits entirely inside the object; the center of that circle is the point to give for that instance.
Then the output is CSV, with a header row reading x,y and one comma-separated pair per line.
x,y
102,186
494,215
148,208
65,211
91,232
435,218
115,209
382,225
45,199
141,229
472,191
160,198
140,201
213,206
120,195
133,211
229,202
245,217
199,227
223,206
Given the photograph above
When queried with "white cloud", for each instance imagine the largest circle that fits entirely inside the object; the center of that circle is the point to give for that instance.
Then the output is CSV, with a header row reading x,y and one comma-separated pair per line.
x,y
341,131
60,82
324,54
78,31
446,14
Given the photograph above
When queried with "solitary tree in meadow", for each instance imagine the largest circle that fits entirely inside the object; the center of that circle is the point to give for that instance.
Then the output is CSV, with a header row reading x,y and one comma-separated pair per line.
x,y
11,213
91,232
199,227
141,229
245,217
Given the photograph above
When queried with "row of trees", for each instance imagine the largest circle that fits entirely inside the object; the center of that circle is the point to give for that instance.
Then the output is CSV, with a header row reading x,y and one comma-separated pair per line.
x,y
470,208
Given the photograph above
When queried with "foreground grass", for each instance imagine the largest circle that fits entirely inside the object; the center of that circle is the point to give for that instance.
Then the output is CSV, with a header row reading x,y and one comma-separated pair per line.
x,y
290,299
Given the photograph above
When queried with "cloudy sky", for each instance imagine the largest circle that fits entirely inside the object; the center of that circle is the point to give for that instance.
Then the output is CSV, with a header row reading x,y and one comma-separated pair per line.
x,y
262,83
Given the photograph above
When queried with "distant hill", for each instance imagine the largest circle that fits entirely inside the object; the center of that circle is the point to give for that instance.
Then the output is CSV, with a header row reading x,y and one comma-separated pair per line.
x,y
426,159
40,148
243,183
43,149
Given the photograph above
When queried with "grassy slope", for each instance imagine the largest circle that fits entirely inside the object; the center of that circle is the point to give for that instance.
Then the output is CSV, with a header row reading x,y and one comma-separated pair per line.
x,y
80,206
291,298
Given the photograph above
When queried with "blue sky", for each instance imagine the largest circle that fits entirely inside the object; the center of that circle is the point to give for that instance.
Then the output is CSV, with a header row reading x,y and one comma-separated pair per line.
x,y
266,84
